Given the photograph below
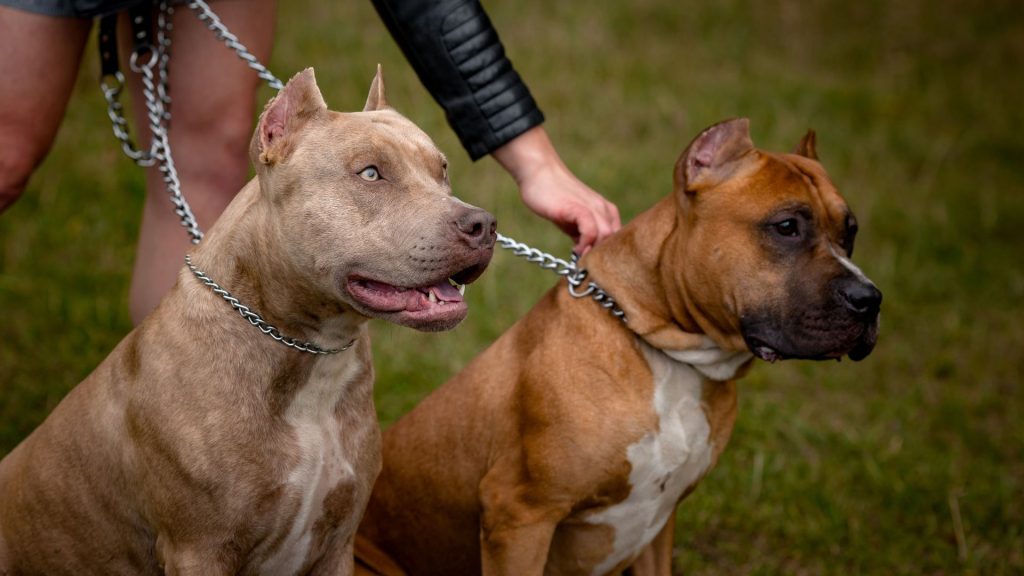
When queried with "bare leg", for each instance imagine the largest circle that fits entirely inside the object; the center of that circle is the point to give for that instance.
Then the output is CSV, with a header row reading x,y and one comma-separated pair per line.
x,y
213,111
38,66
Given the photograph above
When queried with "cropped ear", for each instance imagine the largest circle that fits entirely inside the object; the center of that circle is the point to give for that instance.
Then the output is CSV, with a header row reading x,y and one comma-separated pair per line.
x,y
285,115
711,157
806,147
375,100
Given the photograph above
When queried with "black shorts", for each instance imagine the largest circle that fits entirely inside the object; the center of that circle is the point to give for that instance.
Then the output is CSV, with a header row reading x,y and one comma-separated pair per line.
x,y
72,8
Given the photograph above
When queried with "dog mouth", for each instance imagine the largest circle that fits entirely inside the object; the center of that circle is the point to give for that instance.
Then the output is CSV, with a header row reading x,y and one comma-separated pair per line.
x,y
773,354
433,303
855,342
433,306
384,297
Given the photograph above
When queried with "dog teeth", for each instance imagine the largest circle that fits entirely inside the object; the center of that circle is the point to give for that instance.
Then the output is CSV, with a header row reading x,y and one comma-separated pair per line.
x,y
461,287
432,297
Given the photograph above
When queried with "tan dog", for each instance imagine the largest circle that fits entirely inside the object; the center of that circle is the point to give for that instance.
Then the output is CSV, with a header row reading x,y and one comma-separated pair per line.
x,y
565,447
201,445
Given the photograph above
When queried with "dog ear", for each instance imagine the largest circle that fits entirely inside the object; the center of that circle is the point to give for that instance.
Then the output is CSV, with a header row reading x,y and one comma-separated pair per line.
x,y
807,146
285,114
375,100
712,155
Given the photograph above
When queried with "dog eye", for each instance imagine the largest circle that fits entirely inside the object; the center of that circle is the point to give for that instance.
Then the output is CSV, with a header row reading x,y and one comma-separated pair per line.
x,y
788,227
370,174
851,235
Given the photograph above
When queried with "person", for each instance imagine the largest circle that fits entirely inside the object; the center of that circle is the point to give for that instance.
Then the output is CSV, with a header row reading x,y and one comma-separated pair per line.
x,y
451,44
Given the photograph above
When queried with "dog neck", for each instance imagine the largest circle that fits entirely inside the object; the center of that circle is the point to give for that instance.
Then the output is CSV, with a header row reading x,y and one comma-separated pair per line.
x,y
631,266
711,361
242,254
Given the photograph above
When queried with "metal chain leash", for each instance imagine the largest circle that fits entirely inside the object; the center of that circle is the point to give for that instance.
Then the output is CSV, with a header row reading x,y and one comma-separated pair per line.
x,y
115,111
152,62
112,94
207,16
574,275
155,91
257,320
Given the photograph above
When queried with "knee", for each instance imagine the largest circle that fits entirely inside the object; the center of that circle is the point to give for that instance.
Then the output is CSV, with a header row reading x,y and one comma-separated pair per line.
x,y
217,148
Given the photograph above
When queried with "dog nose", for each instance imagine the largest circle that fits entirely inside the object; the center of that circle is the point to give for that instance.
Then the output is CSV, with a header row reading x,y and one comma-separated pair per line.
x,y
861,297
476,227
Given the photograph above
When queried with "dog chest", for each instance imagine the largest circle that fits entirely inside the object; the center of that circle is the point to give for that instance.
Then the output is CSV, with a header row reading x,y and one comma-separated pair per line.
x,y
324,465
664,463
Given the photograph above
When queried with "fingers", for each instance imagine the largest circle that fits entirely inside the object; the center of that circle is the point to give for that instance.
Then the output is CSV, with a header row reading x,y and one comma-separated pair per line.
x,y
596,223
590,231
607,219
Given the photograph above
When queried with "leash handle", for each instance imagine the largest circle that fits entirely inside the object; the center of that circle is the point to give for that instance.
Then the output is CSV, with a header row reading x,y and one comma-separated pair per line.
x,y
108,45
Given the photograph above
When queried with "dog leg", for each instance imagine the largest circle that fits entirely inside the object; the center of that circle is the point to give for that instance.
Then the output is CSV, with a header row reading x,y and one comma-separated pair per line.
x,y
517,523
338,561
372,561
516,550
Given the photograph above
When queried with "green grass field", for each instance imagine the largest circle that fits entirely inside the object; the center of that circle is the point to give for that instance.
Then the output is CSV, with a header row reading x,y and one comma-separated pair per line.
x,y
910,462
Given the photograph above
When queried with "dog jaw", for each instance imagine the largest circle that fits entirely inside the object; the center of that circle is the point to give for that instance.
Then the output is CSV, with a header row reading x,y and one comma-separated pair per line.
x,y
433,307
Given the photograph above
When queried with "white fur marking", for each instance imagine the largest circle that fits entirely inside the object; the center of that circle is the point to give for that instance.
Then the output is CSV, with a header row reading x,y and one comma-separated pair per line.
x,y
666,461
711,361
849,265
322,463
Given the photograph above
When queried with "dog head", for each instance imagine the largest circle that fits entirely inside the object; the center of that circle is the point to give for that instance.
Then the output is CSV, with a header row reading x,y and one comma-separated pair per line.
x,y
363,207
767,250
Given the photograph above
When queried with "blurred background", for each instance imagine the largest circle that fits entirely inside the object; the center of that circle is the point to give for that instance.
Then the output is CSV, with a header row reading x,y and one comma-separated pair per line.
x,y
910,462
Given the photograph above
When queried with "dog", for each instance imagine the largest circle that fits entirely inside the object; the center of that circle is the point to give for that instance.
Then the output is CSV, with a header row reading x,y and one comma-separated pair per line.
x,y
203,446
565,447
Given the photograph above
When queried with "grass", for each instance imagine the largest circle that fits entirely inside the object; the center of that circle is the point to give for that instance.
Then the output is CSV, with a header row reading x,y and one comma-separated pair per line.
x,y
911,462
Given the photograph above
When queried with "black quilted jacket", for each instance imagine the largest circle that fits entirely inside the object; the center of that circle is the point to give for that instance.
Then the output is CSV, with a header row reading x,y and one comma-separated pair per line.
x,y
459,58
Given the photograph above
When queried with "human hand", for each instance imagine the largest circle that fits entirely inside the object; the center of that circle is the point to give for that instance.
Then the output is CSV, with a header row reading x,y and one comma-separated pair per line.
x,y
552,191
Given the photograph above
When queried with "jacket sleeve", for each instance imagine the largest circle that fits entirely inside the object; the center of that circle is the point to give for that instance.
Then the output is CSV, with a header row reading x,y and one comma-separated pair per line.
x,y
459,58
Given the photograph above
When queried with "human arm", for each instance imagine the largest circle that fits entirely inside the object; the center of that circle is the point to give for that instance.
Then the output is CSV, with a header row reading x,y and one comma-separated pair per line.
x,y
459,58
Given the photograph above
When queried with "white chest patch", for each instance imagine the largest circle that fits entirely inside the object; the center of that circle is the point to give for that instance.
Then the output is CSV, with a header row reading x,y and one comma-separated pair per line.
x,y
322,465
668,460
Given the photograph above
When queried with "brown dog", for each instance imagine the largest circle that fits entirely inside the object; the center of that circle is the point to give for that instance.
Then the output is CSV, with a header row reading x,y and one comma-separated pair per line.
x,y
565,447
201,445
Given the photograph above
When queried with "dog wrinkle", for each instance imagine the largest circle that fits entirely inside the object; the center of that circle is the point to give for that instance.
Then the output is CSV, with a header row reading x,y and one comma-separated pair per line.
x,y
826,196
130,361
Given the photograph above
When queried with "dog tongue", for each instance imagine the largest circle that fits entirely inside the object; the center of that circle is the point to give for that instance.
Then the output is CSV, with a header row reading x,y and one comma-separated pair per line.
x,y
445,291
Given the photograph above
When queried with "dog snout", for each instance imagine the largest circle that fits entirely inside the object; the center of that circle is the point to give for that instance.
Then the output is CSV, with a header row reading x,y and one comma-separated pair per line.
x,y
476,227
862,298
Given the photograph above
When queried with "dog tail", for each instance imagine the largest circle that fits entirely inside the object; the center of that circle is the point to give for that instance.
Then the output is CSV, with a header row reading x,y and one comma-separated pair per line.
x,y
372,561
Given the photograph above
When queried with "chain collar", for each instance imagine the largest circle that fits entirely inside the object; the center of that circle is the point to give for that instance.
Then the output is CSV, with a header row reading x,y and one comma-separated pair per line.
x,y
574,275
257,320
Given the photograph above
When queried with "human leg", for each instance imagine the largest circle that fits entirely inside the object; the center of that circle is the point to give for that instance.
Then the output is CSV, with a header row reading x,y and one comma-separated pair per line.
x,y
39,57
213,109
